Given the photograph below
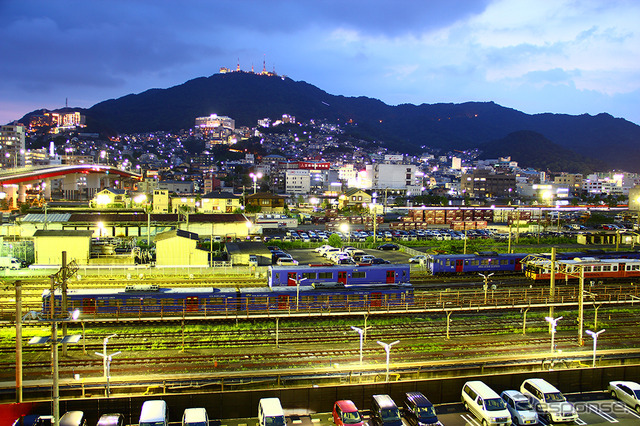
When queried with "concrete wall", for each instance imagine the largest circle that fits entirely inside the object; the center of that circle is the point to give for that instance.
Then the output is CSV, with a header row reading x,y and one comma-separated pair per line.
x,y
243,404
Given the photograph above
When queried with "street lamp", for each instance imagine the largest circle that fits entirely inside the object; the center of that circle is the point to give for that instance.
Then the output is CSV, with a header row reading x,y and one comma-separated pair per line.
x,y
554,324
387,349
297,290
345,230
595,342
107,360
255,177
361,332
53,339
486,284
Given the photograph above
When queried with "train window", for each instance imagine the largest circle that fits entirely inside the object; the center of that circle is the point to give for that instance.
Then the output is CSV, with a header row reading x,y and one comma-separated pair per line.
x,y
504,261
606,268
167,302
325,275
309,275
277,277
484,262
133,302
447,263
475,262
361,274
101,303
260,300
323,299
149,301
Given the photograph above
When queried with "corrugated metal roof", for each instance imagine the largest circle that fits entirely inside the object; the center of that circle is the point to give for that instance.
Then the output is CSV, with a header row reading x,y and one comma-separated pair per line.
x,y
51,217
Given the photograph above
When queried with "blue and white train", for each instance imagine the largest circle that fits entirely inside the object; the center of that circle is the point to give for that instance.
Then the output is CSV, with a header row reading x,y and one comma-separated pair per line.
x,y
151,299
338,275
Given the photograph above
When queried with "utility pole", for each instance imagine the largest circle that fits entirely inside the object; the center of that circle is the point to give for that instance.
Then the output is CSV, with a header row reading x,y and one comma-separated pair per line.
x,y
18,286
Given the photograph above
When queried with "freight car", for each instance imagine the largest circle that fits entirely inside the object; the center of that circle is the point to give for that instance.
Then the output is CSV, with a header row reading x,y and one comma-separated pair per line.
x,y
337,275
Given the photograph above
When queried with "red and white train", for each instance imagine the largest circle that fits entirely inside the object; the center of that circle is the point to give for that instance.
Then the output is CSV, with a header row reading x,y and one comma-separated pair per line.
x,y
594,268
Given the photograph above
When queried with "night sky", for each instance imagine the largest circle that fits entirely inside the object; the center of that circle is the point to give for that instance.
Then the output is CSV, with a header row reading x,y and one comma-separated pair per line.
x,y
536,56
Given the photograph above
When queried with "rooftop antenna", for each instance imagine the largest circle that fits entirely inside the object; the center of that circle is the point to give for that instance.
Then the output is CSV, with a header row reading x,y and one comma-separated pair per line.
x,y
66,102
264,64
252,67
238,67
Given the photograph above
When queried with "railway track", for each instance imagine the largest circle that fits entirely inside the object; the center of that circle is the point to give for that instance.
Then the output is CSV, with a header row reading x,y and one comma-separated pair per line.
x,y
411,351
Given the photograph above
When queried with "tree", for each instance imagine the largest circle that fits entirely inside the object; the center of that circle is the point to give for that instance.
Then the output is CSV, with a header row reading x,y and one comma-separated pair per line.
x,y
335,240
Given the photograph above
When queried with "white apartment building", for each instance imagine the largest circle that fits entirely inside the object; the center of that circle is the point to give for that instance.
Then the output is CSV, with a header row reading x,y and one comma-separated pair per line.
x,y
297,181
394,176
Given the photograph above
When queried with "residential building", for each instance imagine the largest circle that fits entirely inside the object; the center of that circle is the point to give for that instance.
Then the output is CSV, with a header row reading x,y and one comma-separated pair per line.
x,y
354,197
297,181
484,183
394,176
219,202
12,146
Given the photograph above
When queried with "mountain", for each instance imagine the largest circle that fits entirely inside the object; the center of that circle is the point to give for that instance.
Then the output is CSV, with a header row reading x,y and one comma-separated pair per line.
x,y
247,97
532,150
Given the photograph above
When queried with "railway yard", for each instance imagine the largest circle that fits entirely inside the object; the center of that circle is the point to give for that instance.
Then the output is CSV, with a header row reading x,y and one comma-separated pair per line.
x,y
453,325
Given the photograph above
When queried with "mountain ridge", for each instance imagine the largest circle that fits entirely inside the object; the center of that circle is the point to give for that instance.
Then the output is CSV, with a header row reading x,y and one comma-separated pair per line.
x,y
247,97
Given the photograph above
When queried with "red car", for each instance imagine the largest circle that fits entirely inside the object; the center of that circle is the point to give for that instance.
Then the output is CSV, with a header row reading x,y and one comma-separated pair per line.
x,y
345,413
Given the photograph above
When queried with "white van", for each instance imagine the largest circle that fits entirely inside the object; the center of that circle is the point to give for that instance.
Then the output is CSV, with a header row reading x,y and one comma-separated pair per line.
x,y
195,417
154,413
485,404
548,401
270,412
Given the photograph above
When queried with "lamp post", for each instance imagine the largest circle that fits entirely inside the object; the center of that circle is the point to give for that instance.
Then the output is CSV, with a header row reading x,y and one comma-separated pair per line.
x,y
387,349
345,230
53,339
297,290
554,324
485,286
255,177
107,361
360,331
595,343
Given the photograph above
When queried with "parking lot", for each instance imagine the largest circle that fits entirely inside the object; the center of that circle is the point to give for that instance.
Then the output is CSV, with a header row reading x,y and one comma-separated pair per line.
x,y
594,409
306,256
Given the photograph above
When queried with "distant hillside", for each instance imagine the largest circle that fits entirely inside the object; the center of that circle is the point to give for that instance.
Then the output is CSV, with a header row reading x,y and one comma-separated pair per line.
x,y
531,149
248,97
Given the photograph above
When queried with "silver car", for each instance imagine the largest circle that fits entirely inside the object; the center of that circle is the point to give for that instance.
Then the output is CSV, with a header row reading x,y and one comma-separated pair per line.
x,y
627,392
522,413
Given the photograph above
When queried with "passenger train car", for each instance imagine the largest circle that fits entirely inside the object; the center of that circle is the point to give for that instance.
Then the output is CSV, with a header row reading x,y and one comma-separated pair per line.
x,y
337,275
155,300
450,264
594,268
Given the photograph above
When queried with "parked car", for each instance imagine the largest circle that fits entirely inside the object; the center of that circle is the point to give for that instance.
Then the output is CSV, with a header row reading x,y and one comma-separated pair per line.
x,y
379,261
548,401
111,419
367,258
421,258
388,246
627,392
322,248
419,411
286,261
345,413
485,404
522,413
